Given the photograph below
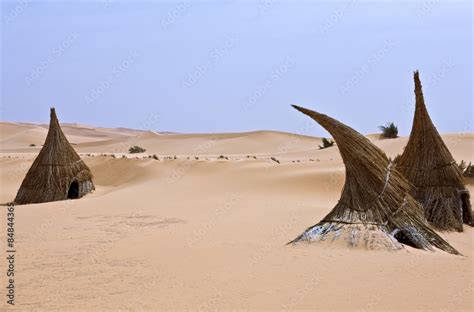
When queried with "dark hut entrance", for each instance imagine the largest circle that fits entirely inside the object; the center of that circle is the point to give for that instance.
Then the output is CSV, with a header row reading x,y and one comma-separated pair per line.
x,y
73,192
406,238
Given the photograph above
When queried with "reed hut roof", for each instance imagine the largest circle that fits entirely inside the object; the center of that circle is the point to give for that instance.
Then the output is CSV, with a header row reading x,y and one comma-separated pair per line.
x,y
428,164
375,208
54,170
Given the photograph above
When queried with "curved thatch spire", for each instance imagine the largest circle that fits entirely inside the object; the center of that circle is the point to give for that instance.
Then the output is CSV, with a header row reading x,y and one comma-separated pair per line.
x,y
430,167
57,173
375,208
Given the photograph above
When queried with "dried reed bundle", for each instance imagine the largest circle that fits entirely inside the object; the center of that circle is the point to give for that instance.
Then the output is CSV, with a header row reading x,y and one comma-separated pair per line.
x,y
375,208
430,167
57,173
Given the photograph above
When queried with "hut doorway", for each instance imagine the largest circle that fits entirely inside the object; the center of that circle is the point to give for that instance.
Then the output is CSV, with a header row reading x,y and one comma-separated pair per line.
x,y
73,192
405,237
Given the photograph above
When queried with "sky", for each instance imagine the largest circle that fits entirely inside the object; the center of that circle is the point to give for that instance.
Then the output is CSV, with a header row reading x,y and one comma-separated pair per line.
x,y
232,66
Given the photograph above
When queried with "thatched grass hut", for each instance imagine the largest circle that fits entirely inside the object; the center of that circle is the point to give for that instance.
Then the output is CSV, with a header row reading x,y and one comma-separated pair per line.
x,y
375,209
427,163
58,173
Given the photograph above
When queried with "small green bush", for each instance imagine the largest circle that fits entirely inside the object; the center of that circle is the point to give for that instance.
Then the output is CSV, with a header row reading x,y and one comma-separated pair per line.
x,y
32,145
389,131
327,143
136,149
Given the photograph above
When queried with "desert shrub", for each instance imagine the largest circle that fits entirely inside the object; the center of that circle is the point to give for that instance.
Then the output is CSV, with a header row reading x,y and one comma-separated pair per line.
x,y
223,157
389,131
136,149
275,160
326,143
32,145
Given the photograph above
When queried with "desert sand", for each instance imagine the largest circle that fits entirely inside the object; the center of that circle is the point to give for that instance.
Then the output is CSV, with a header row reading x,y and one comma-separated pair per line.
x,y
200,233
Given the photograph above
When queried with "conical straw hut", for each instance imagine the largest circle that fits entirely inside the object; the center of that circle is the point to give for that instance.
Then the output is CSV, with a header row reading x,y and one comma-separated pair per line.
x,y
57,173
375,209
427,163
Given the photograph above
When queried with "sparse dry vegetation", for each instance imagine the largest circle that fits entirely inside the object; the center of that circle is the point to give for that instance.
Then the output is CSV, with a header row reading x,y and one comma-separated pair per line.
x,y
275,160
389,131
327,143
136,149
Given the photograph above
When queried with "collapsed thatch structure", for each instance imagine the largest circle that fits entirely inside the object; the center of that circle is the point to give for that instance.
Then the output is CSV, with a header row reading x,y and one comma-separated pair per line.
x,y
375,208
57,173
427,163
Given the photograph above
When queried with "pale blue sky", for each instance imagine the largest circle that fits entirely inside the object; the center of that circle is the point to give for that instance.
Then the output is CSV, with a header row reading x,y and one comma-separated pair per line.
x,y
219,66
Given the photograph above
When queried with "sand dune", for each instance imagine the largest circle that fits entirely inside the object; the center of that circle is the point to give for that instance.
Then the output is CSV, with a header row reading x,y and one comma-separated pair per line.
x,y
210,234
